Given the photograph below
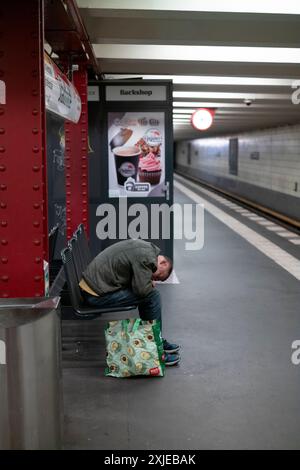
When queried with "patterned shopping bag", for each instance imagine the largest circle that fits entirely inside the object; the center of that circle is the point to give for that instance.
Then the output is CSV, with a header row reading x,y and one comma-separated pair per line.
x,y
134,347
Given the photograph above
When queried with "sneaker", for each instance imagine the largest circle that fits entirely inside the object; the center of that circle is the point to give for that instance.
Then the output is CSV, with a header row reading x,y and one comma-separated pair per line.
x,y
170,348
172,359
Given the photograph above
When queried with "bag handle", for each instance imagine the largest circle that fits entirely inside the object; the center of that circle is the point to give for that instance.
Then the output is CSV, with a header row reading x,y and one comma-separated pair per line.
x,y
125,325
136,325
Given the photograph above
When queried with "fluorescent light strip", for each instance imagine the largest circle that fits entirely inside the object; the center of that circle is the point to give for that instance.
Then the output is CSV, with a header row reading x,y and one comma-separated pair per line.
x,y
182,116
231,118
236,114
288,7
276,55
249,112
210,80
210,104
182,124
183,111
231,96
238,81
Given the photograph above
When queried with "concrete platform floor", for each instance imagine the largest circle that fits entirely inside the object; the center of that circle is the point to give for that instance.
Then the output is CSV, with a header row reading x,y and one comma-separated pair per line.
x,y
235,313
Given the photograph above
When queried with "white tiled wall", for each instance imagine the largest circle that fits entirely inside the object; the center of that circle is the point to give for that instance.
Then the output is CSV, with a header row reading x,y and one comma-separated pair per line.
x,y
278,167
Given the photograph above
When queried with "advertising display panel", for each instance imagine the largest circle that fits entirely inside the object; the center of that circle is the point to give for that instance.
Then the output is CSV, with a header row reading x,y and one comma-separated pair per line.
x,y
131,162
136,143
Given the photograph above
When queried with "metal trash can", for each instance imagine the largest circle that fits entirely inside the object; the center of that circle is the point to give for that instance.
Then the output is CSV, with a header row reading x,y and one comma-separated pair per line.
x,y
31,415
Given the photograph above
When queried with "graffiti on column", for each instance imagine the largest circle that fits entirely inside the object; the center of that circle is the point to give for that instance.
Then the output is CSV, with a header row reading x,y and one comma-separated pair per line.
x,y
59,153
60,213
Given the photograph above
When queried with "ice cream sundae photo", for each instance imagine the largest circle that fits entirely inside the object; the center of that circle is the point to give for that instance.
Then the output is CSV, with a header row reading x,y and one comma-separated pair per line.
x,y
150,169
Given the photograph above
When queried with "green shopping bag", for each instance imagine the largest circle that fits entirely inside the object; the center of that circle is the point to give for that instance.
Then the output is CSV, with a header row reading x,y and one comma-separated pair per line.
x,y
134,347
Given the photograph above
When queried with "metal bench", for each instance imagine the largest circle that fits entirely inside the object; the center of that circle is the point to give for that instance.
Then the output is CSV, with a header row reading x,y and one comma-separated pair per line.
x,y
73,244
85,254
52,242
77,302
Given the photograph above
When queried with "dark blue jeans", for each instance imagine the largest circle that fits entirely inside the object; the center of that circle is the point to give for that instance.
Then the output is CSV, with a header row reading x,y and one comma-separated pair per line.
x,y
149,306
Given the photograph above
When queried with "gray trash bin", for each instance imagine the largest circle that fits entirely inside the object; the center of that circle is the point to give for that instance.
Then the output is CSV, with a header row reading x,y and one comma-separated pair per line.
x,y
30,374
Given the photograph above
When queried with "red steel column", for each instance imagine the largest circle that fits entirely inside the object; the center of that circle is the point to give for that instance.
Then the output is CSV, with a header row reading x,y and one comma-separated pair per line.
x,y
23,190
76,160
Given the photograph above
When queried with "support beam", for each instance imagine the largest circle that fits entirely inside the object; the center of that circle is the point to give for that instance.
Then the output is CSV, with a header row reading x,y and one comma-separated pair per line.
x,y
23,190
76,157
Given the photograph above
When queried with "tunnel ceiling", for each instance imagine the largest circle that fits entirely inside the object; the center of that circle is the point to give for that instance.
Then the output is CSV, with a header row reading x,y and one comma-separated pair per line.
x,y
237,51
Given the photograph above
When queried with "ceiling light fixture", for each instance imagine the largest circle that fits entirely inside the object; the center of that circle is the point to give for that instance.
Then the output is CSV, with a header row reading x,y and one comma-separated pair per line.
x,y
209,104
275,55
210,80
289,7
202,119
231,96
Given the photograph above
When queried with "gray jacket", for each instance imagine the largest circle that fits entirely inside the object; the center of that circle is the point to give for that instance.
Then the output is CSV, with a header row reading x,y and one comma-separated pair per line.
x,y
128,264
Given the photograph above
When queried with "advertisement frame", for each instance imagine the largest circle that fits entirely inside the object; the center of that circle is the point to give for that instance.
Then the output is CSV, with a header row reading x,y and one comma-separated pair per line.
x,y
99,167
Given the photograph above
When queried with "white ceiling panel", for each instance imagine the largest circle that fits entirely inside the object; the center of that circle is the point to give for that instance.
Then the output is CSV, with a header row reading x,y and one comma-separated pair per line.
x,y
219,54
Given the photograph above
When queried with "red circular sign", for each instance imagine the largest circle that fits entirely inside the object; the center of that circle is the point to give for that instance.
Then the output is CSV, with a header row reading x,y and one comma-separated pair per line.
x,y
202,119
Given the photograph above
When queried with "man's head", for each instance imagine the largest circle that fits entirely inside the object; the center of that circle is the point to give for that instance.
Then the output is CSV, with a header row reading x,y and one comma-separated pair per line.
x,y
164,268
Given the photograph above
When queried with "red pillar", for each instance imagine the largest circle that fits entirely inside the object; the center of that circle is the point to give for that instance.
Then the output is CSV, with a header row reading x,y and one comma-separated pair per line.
x,y
76,160
23,190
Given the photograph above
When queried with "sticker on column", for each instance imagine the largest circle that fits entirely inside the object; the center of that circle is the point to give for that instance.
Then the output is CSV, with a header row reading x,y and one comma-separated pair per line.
x,y
46,278
93,93
2,92
2,353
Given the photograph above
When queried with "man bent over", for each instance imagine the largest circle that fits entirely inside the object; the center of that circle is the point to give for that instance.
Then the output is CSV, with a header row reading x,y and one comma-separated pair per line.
x,y
124,274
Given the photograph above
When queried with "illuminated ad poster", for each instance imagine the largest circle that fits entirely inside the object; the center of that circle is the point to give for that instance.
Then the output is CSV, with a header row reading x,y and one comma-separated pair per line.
x,y
136,152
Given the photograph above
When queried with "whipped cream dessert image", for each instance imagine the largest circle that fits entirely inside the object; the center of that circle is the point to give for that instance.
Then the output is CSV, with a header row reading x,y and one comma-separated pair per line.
x,y
150,169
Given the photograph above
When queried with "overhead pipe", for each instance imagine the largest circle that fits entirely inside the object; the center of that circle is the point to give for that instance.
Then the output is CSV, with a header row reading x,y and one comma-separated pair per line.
x,y
73,10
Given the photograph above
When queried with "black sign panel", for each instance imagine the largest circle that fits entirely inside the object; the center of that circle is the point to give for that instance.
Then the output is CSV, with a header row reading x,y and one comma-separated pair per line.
x,y
233,156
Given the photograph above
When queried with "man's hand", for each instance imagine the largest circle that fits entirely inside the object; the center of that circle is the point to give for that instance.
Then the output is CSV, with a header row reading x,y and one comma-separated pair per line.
x,y
153,283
